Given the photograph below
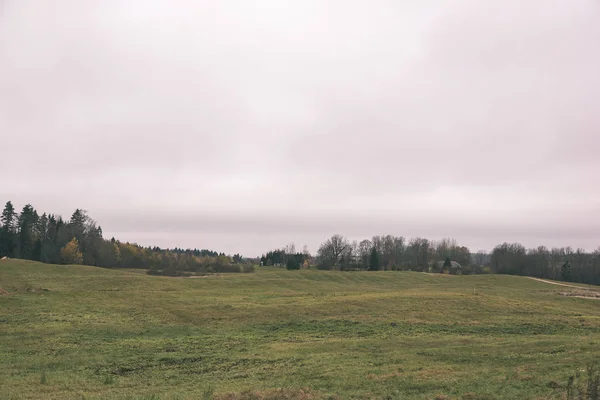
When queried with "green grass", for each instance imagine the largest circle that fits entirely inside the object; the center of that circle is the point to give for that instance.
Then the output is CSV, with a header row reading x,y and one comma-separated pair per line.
x,y
72,332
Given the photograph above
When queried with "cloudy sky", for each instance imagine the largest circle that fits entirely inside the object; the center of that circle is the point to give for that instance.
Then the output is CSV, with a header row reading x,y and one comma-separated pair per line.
x,y
245,125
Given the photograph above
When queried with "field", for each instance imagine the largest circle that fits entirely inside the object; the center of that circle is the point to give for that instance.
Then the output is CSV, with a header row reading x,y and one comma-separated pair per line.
x,y
72,332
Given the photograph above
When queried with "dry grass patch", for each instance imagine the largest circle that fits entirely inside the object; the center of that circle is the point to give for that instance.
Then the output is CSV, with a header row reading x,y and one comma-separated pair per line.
x,y
582,294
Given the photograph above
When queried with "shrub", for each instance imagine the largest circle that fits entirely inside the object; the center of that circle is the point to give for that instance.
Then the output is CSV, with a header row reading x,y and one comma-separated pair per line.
x,y
248,268
226,268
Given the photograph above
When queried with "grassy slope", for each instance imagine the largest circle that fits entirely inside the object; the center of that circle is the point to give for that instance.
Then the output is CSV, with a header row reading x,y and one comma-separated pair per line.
x,y
110,334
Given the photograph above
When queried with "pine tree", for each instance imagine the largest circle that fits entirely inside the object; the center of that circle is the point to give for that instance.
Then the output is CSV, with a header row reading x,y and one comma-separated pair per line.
x,y
77,224
292,262
374,260
8,237
9,216
50,245
27,233
36,254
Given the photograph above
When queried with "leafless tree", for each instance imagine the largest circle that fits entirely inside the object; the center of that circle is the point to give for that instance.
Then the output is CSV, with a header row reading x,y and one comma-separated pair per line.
x,y
364,252
331,252
305,251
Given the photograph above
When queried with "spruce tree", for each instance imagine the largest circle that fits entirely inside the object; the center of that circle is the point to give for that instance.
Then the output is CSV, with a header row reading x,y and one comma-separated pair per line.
x,y
27,223
8,236
374,260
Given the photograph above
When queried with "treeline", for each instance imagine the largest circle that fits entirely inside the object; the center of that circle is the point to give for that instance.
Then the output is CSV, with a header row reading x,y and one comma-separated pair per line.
x,y
446,256
395,253
562,264
51,239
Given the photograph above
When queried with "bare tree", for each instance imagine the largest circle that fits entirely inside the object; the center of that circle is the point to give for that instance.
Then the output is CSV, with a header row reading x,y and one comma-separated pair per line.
x,y
481,258
364,252
418,252
331,252
290,249
444,248
399,250
305,251
352,256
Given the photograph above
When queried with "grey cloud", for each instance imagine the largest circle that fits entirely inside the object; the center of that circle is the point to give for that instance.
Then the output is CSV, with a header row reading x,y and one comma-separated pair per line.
x,y
278,121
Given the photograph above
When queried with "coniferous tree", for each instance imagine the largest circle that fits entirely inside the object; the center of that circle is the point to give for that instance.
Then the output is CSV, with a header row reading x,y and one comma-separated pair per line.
x,y
77,224
447,263
8,231
36,253
27,233
293,262
374,263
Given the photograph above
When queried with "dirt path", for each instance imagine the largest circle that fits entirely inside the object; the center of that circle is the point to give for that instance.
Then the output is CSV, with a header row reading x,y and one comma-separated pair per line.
x,y
559,284
586,293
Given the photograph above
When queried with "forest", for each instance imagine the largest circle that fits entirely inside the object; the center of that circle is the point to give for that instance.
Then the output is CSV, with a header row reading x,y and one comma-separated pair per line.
x,y
51,239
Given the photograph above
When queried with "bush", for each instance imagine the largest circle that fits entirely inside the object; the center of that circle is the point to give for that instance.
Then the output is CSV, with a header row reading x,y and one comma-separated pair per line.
x,y
226,268
248,268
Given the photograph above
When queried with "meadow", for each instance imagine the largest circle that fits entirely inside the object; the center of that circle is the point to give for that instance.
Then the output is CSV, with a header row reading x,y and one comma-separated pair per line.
x,y
75,332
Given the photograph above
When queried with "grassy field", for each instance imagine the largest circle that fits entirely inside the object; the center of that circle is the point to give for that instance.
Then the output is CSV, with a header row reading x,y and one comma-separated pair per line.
x,y
72,332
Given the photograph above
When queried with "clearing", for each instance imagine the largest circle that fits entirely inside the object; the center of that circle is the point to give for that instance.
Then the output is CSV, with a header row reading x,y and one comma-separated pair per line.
x,y
74,332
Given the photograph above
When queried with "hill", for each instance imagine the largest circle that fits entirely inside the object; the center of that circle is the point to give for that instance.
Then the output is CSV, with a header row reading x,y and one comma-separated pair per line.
x,y
84,332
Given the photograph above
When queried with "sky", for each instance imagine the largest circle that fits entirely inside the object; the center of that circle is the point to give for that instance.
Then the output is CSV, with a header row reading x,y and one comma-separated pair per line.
x,y
244,126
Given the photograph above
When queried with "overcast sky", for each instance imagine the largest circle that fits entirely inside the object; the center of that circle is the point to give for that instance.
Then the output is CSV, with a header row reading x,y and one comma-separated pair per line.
x,y
241,125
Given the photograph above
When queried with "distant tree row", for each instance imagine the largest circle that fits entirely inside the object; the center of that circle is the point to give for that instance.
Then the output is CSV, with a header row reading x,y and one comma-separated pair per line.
x,y
395,253
564,264
418,254
50,239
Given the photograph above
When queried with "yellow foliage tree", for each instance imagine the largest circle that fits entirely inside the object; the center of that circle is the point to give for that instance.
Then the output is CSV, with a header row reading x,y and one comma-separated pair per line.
x,y
70,254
